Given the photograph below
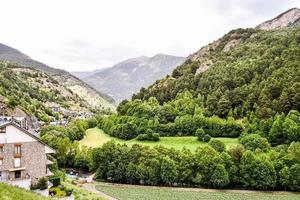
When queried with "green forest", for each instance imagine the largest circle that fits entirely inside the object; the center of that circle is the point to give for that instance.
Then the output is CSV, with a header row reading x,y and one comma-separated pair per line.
x,y
250,92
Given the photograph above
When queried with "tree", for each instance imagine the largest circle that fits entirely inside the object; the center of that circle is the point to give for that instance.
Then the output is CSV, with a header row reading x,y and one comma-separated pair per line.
x,y
255,141
220,178
294,150
218,145
200,134
277,135
295,177
284,177
168,171
257,173
206,138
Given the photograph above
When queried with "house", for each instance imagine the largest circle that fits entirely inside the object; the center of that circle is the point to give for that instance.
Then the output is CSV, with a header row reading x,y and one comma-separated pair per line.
x,y
23,156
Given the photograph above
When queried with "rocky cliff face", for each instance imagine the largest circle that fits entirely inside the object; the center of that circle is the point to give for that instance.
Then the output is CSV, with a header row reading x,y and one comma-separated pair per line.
x,y
127,77
285,19
234,38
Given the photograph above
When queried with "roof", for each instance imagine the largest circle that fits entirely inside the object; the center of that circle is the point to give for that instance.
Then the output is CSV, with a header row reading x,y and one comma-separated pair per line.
x,y
7,123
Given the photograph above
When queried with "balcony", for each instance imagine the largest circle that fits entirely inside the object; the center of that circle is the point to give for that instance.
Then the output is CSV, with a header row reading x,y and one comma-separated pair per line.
x,y
48,172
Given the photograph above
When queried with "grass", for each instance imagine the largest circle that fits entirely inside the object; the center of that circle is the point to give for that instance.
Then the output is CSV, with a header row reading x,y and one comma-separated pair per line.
x,y
95,137
131,192
8,192
80,193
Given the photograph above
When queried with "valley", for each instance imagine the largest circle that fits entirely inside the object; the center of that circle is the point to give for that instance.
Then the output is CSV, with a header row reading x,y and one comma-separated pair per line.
x,y
221,123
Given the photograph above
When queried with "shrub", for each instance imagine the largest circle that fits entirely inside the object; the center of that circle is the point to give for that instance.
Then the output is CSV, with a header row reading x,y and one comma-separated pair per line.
x,y
255,141
150,136
42,184
200,134
218,145
142,137
206,138
55,181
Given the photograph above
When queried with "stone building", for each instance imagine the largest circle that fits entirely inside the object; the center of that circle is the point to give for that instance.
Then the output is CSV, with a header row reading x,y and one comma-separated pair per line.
x,y
23,156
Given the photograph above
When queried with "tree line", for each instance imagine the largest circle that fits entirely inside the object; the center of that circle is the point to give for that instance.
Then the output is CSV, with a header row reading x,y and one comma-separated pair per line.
x,y
209,166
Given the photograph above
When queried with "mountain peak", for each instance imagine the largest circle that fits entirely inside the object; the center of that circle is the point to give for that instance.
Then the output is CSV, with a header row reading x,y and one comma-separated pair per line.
x,y
285,19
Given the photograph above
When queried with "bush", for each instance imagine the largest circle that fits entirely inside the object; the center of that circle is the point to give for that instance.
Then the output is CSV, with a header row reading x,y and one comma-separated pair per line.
x,y
218,145
200,134
206,138
55,181
255,141
150,136
42,184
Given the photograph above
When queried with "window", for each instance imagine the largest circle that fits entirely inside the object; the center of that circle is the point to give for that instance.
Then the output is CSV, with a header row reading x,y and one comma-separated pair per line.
x,y
3,130
1,161
17,162
17,149
1,148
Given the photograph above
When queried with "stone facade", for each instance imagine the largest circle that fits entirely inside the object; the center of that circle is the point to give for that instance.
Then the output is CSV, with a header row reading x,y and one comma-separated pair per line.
x,y
33,160
22,155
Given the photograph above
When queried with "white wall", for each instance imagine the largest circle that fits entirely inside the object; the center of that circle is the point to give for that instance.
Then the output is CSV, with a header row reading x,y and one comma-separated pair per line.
x,y
14,135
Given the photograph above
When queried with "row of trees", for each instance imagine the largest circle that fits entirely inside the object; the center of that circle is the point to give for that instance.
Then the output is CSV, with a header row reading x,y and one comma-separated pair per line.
x,y
182,116
208,166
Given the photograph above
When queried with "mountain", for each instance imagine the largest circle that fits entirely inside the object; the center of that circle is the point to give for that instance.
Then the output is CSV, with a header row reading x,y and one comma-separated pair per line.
x,y
83,74
92,97
288,18
252,71
37,96
125,78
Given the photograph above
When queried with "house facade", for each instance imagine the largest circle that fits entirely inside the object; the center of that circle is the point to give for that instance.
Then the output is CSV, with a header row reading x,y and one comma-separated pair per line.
x,y
22,155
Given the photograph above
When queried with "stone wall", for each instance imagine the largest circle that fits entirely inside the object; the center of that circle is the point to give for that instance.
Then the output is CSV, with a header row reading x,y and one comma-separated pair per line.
x,y
33,159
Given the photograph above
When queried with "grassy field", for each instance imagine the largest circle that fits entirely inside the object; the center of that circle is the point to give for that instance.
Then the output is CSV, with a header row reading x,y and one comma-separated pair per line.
x,y
8,192
96,138
130,192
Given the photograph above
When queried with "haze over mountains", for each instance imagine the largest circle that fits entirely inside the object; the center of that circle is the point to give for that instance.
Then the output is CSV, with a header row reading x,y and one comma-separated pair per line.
x,y
126,78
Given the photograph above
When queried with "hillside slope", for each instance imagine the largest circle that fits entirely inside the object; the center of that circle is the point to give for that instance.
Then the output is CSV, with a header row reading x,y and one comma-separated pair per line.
x,y
28,92
92,97
246,71
8,192
127,77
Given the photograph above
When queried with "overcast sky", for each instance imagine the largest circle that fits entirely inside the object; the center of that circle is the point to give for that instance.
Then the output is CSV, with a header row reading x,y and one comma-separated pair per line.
x,y
92,34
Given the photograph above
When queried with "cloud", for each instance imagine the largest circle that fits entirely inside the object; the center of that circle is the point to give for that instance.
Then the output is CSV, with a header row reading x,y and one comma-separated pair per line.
x,y
91,34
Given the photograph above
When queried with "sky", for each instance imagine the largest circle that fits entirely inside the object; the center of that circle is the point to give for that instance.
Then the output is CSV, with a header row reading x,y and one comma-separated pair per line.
x,y
82,35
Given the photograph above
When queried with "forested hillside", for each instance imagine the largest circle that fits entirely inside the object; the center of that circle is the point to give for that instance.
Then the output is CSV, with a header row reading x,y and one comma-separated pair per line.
x,y
258,75
93,98
35,93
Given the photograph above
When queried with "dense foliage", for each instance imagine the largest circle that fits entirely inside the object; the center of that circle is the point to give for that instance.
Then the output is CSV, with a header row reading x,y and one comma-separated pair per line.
x,y
65,141
277,168
179,117
259,76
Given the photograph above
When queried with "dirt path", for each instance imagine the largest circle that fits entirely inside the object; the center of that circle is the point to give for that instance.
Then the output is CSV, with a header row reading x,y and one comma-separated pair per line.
x,y
91,186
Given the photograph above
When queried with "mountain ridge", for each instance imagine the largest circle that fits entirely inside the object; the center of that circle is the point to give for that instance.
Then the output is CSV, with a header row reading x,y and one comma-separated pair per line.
x,y
93,97
132,74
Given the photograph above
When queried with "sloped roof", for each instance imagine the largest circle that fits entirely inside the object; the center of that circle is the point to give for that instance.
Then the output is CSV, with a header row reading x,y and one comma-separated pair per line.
x,y
7,123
